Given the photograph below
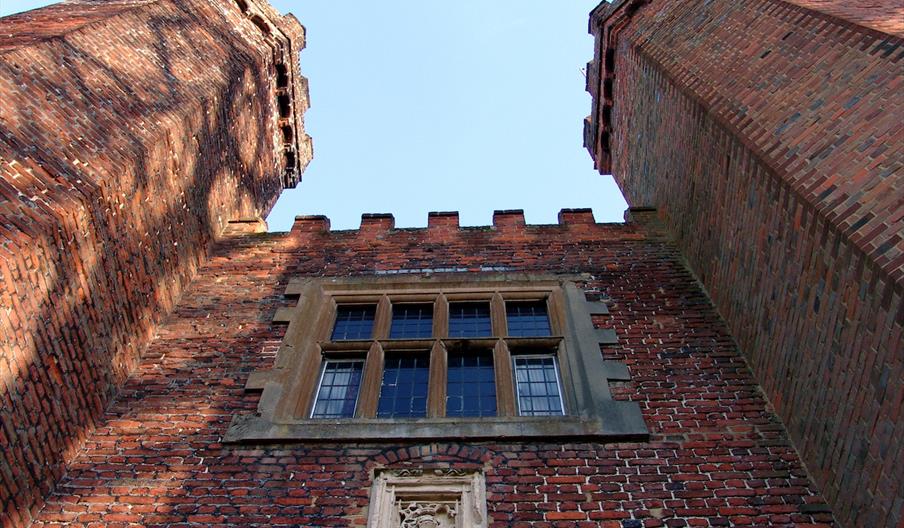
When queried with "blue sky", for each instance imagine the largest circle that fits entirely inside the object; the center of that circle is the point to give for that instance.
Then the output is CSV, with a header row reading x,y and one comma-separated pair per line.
x,y
466,106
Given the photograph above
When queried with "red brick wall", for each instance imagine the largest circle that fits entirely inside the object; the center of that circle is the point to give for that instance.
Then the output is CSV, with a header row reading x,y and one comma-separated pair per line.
x,y
767,136
130,133
56,20
717,456
880,15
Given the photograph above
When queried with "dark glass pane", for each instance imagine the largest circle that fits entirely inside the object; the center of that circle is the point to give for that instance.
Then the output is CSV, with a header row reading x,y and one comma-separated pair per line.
x,y
471,387
403,393
469,320
412,321
537,386
338,392
354,322
527,319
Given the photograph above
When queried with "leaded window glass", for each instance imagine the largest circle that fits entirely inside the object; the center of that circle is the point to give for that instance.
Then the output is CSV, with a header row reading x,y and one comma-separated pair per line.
x,y
527,319
403,392
469,319
338,391
537,380
354,322
471,388
412,321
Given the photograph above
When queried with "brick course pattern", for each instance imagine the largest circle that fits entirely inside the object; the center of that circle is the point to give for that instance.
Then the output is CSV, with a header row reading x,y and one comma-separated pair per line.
x,y
880,15
717,455
130,133
769,137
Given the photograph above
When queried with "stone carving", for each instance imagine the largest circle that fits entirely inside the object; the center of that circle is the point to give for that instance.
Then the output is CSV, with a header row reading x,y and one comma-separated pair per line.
x,y
427,515
407,472
411,472
428,498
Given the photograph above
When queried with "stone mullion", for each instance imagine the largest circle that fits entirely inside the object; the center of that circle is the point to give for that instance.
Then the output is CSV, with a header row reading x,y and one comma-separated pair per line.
x,y
436,395
441,317
382,318
497,315
369,394
505,383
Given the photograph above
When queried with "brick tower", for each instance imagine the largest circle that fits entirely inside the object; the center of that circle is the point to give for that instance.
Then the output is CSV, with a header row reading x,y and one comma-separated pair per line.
x,y
768,137
131,134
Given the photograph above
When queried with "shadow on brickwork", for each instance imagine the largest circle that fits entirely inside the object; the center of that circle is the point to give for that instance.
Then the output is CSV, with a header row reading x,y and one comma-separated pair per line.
x,y
88,279
716,450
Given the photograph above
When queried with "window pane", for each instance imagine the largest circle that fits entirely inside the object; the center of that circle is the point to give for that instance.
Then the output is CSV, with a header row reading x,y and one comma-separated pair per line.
x,y
471,388
403,393
469,320
527,319
338,392
537,383
354,322
412,321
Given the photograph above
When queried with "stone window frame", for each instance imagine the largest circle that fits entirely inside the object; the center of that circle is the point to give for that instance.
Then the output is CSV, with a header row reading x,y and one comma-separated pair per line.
x,y
288,390
436,347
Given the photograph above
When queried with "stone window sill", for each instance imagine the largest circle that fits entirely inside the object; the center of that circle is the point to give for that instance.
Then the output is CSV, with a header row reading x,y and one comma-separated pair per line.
x,y
616,421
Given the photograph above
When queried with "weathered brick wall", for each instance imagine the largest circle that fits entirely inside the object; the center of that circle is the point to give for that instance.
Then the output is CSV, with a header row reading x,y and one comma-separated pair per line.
x,y
130,133
717,456
880,15
768,137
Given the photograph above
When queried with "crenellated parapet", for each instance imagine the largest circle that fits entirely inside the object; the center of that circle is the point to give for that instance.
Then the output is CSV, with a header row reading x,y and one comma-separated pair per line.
x,y
445,224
